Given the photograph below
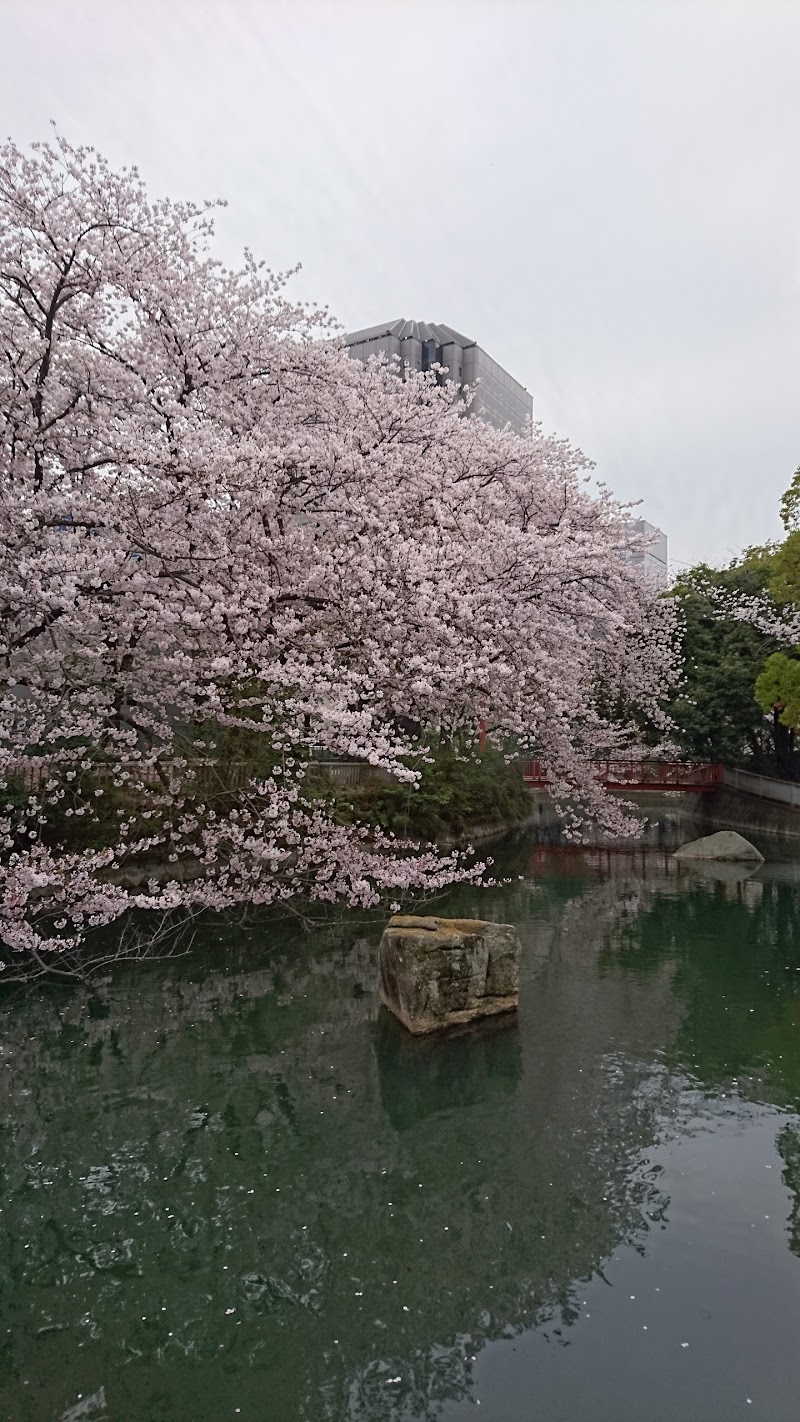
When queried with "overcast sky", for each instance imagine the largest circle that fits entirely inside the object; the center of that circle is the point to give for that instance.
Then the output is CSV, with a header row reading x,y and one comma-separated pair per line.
x,y
606,196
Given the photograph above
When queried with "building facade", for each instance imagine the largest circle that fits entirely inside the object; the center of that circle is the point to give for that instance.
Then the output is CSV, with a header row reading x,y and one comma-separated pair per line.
x,y
653,560
499,399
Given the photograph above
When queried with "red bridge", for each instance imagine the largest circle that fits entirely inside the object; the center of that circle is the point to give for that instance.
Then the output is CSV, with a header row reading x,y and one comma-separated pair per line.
x,y
639,775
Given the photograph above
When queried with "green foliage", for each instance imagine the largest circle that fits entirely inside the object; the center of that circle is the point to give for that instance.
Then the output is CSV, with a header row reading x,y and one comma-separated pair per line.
x,y
87,815
716,712
784,582
454,795
778,687
784,573
14,798
790,504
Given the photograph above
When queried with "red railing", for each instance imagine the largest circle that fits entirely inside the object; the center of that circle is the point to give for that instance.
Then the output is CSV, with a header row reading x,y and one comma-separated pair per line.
x,y
639,775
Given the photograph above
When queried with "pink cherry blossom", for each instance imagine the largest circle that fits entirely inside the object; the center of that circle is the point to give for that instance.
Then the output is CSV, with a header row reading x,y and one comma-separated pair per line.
x,y
214,521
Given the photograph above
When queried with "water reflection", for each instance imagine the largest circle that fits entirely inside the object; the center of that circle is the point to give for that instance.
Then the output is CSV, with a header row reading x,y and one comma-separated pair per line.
x,y
788,1144
423,1076
243,1187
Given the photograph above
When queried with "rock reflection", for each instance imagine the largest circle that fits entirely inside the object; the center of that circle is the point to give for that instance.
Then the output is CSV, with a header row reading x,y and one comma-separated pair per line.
x,y
721,872
420,1076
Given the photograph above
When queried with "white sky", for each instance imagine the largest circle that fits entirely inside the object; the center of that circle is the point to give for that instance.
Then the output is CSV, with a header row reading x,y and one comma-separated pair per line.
x,y
606,196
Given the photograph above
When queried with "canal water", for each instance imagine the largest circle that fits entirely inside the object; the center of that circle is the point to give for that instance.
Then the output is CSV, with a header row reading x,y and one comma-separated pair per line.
x,y
230,1187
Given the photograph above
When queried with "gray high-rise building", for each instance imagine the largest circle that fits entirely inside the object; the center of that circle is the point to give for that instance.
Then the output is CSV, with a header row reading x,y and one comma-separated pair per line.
x,y
652,560
500,398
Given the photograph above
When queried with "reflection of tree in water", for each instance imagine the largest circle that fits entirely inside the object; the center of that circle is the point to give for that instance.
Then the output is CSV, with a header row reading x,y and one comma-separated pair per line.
x,y
243,1189
788,1144
732,950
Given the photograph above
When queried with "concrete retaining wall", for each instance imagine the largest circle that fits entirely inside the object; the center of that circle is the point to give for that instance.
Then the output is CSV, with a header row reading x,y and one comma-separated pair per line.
x,y
734,809
674,817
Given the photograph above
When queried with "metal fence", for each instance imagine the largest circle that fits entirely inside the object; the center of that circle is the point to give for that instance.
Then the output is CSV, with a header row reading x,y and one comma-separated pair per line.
x,y
346,773
785,792
349,773
32,772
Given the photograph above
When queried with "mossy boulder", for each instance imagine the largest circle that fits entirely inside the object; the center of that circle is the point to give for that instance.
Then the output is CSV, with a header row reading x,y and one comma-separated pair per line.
x,y
725,845
438,973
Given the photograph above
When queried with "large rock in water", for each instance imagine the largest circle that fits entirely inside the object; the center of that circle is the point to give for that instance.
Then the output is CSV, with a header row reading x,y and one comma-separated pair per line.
x,y
444,972
727,844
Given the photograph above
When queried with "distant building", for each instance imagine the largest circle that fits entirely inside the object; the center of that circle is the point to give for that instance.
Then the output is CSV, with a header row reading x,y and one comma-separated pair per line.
x,y
500,398
653,559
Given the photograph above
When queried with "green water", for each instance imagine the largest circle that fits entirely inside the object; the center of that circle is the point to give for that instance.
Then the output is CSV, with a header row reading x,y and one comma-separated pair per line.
x,y
230,1187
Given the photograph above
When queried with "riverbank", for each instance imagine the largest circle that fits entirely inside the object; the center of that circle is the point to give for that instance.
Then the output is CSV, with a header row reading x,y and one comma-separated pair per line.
x,y
441,812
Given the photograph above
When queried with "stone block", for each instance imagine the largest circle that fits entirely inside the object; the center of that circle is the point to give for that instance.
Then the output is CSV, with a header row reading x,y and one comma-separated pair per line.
x,y
443,972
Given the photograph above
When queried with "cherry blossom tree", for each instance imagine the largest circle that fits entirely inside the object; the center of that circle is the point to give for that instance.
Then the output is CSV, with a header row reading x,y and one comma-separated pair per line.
x,y
219,531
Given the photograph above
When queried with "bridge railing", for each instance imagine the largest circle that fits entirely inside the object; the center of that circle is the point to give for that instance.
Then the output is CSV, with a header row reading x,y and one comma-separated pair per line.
x,y
640,774
676,775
